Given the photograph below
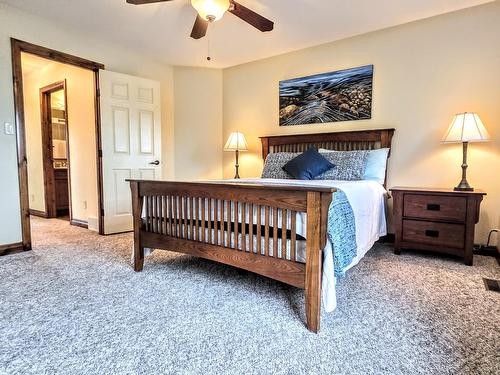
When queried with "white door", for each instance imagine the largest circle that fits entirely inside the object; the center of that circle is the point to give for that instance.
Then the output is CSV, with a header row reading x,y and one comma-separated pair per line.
x,y
131,142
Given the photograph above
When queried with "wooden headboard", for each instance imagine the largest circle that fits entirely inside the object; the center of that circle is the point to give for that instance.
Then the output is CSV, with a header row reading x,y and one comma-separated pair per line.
x,y
340,141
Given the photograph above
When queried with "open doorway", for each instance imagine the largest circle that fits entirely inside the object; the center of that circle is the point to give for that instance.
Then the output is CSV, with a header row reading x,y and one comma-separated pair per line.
x,y
59,112
127,146
55,152
58,144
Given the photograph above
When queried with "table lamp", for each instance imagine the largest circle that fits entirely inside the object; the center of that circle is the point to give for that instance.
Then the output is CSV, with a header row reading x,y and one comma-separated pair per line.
x,y
465,127
236,142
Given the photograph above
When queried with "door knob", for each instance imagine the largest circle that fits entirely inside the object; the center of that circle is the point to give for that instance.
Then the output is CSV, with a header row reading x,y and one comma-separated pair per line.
x,y
156,162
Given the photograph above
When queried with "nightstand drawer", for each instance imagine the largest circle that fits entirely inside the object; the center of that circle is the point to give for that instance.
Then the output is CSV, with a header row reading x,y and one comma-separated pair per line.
x,y
440,234
435,207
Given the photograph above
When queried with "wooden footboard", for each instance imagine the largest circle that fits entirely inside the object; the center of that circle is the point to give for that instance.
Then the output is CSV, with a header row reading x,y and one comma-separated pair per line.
x,y
249,226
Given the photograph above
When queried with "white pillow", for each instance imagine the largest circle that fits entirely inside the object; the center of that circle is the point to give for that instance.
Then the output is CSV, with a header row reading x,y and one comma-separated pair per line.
x,y
376,164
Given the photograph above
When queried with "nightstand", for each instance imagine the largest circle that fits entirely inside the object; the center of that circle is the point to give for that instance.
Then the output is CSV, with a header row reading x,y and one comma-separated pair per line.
x,y
439,220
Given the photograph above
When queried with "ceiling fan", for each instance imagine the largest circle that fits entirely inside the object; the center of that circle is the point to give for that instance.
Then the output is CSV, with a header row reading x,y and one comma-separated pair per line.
x,y
212,10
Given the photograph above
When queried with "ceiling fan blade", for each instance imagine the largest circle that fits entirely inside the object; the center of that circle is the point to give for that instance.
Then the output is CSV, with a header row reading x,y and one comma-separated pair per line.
x,y
200,28
140,2
249,16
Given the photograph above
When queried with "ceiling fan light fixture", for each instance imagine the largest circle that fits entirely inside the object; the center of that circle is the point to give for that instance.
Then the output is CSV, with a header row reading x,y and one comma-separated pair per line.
x,y
211,10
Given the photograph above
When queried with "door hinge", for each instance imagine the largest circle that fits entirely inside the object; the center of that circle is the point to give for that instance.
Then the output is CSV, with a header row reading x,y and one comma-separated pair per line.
x,y
99,153
102,211
98,93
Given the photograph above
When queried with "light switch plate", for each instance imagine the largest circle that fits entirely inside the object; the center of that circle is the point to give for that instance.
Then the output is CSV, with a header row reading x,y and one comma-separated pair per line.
x,y
9,128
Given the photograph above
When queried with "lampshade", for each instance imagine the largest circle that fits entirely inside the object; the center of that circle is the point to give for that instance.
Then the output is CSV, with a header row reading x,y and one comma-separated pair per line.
x,y
236,142
211,10
466,127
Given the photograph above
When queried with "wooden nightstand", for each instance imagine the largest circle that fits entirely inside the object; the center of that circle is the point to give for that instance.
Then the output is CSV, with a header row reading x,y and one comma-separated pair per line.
x,y
440,220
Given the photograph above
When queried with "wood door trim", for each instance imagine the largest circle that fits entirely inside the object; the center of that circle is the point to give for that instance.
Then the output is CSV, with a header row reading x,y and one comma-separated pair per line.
x,y
17,47
68,156
49,183
11,248
79,223
37,213
98,143
52,54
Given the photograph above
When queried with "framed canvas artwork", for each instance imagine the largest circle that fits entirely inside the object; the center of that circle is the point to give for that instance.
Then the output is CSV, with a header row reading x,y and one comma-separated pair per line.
x,y
344,95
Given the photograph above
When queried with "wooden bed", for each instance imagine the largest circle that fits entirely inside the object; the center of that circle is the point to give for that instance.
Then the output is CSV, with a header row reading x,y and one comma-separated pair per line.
x,y
175,216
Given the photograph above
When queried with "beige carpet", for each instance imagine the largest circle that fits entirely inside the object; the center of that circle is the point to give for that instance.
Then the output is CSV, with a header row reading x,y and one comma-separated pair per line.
x,y
73,305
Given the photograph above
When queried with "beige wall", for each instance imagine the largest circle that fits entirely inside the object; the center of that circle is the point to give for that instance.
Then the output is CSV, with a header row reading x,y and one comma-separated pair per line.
x,y
198,123
424,72
81,125
24,26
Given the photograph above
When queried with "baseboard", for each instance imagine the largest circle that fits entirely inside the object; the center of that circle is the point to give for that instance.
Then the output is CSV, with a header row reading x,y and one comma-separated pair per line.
x,y
11,248
388,238
79,223
38,213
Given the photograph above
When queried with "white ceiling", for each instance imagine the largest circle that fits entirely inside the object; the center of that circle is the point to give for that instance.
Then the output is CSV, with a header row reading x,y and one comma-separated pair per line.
x,y
162,30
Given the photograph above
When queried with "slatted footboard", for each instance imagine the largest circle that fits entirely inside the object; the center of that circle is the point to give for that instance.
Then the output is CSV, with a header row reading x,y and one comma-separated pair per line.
x,y
249,226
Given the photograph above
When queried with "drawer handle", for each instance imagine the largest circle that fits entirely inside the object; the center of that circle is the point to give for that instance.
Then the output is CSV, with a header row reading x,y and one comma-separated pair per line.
x,y
433,207
432,233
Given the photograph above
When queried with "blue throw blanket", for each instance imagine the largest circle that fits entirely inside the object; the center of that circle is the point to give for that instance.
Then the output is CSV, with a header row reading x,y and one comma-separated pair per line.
x,y
341,232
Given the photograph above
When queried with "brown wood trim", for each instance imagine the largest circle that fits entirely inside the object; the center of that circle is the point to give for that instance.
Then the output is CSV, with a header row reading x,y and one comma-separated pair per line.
x,y
12,248
22,167
79,223
38,213
58,56
17,47
326,200
371,135
137,203
68,156
154,185
440,191
47,149
98,142
313,261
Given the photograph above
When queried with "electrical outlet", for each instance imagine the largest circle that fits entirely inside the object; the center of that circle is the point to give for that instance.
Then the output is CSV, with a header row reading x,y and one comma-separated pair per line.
x,y
84,205
9,128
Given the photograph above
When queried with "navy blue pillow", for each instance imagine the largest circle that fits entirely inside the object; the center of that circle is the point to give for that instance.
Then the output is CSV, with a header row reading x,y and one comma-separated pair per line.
x,y
307,165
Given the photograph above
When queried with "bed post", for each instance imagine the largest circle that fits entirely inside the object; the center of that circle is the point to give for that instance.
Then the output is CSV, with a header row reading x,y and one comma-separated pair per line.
x,y
313,261
137,201
265,147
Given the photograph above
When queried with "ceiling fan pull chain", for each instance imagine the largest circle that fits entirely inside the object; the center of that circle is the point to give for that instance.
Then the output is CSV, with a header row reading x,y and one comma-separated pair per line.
x,y
209,58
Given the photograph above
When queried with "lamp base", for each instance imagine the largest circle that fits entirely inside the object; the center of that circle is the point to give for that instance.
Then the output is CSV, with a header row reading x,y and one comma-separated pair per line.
x,y
237,166
463,186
